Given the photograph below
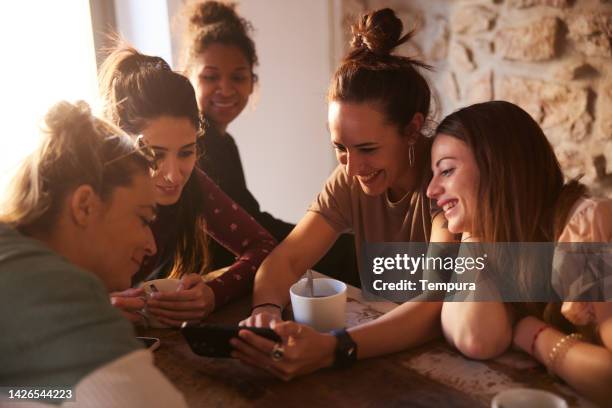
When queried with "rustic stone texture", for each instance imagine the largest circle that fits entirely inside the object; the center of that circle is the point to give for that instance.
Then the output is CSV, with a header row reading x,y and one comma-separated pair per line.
x,y
531,3
531,42
571,160
472,19
452,87
561,47
602,183
605,111
550,104
439,46
581,128
461,57
412,18
412,50
481,90
484,45
576,69
592,34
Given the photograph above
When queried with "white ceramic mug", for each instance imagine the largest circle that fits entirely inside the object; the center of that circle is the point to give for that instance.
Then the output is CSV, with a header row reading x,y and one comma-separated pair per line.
x,y
324,312
163,285
527,397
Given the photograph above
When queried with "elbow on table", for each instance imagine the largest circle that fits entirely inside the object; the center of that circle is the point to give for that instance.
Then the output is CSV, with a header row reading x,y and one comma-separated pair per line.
x,y
482,346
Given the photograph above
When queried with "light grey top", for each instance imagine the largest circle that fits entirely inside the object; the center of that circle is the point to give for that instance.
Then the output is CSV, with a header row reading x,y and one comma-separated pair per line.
x,y
56,319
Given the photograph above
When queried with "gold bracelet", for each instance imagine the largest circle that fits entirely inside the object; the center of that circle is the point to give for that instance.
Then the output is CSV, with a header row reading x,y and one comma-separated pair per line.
x,y
560,349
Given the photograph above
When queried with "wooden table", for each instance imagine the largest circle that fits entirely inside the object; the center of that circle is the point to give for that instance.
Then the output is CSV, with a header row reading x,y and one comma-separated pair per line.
x,y
429,376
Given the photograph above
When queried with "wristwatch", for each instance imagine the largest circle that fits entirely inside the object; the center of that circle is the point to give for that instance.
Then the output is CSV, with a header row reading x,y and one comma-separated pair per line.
x,y
346,349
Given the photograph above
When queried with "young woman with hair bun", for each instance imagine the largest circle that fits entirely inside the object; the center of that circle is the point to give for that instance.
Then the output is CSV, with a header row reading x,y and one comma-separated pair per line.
x,y
377,104
158,106
220,59
75,226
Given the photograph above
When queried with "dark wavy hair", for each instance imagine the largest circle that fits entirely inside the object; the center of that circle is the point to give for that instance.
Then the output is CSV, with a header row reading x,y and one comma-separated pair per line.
x,y
215,22
137,88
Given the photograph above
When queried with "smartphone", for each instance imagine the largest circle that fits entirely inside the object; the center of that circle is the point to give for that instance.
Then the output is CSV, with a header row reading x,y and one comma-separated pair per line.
x,y
213,340
152,343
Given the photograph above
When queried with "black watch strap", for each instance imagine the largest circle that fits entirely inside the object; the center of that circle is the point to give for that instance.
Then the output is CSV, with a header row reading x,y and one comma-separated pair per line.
x,y
346,349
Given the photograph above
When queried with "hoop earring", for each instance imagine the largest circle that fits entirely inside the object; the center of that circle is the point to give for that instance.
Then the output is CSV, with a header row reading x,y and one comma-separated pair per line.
x,y
411,156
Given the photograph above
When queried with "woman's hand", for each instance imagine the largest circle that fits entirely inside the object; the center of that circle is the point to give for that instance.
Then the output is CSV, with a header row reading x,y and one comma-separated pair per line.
x,y
192,301
579,313
130,302
263,316
304,350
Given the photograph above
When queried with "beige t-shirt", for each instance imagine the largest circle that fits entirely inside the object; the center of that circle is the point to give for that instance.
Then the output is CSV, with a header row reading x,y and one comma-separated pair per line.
x,y
346,208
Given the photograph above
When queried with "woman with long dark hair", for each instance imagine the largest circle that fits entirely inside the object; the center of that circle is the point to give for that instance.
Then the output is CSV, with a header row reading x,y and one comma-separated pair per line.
x,y
157,107
497,180
220,58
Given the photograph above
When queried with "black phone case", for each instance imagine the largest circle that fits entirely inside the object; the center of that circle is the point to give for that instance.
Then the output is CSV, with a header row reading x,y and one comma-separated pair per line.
x,y
212,340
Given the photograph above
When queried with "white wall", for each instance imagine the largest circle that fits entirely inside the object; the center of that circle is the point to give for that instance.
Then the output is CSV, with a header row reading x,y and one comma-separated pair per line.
x,y
282,135
146,25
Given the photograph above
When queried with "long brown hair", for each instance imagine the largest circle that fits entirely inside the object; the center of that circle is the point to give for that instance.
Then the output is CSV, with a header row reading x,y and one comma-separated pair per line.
x,y
76,149
137,88
522,196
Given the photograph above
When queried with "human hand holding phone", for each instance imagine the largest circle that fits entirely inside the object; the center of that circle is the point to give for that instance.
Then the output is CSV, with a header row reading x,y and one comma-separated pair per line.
x,y
213,340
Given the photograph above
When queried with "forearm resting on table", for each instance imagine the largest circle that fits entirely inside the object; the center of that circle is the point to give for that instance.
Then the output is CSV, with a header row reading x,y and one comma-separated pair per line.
x,y
479,330
409,325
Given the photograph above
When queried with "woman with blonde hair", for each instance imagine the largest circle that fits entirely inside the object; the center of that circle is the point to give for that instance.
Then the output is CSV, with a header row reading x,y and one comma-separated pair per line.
x,y
76,225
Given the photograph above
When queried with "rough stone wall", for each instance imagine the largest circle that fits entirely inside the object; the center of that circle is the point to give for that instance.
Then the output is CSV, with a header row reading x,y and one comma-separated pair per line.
x,y
551,57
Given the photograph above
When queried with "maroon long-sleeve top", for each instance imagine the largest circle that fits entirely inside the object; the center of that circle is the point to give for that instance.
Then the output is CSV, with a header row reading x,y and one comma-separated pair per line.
x,y
228,224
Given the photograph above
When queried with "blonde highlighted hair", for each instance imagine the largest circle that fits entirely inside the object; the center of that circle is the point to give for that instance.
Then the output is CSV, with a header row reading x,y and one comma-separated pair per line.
x,y
76,149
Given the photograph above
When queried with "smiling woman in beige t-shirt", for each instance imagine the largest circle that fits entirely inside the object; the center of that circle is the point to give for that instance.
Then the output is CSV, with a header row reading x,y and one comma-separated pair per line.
x,y
378,103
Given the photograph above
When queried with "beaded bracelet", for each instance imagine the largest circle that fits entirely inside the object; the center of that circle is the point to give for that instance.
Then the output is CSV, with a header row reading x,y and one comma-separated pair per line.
x,y
560,349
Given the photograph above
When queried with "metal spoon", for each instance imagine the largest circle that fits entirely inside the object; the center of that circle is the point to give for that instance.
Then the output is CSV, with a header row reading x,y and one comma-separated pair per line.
x,y
309,282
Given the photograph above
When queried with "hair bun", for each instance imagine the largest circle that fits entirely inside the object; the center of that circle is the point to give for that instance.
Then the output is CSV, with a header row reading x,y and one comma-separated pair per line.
x,y
212,12
378,32
65,115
